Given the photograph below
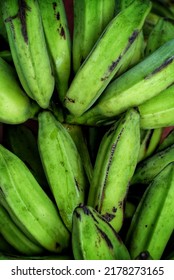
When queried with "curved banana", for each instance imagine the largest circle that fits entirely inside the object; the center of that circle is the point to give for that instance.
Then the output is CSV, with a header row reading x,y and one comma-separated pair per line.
x,y
115,164
28,205
62,165
58,41
15,106
28,48
16,237
152,223
95,73
105,243
134,87
90,19
147,169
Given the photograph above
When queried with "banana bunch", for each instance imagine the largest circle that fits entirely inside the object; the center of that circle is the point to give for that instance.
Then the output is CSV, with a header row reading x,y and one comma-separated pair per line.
x,y
86,168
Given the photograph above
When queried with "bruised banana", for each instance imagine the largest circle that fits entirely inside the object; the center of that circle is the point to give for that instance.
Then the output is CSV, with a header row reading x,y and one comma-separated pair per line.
x,y
139,84
152,223
62,165
28,205
147,169
28,48
158,112
162,32
95,73
15,236
150,139
21,140
15,105
79,139
90,19
105,243
58,41
114,167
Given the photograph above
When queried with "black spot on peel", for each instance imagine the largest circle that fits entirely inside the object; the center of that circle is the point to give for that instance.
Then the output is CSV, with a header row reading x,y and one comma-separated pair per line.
x,y
161,67
105,237
108,217
114,209
69,100
111,68
62,32
54,5
78,216
58,16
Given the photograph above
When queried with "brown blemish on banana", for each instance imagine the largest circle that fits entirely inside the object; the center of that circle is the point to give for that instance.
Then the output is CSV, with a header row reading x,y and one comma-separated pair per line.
x,y
105,237
62,32
54,6
78,216
161,67
108,217
113,148
114,209
69,99
77,184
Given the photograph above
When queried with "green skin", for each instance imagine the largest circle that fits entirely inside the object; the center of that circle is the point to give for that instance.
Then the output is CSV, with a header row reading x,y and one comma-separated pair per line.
x,y
147,170
91,86
105,243
91,16
114,169
58,41
136,86
151,225
27,54
16,237
16,107
62,165
36,215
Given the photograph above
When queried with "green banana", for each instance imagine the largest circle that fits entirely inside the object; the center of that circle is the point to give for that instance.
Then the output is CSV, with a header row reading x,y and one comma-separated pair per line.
x,y
162,9
28,205
139,84
78,136
15,236
148,169
15,105
20,140
149,142
162,32
158,111
152,223
90,19
3,32
129,209
167,141
58,41
28,48
105,243
62,165
114,168
103,62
